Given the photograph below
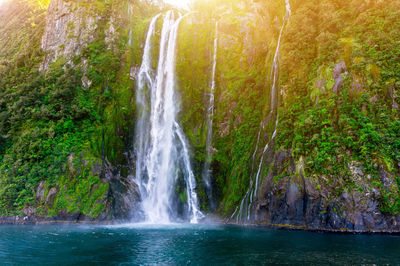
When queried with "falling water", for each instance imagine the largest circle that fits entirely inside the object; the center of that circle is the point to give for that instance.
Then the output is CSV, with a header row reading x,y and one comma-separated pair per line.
x,y
130,38
275,64
130,12
243,211
162,149
209,122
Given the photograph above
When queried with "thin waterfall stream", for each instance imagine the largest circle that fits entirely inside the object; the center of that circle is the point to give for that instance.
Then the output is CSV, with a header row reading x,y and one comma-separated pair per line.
x,y
161,146
130,13
209,122
243,211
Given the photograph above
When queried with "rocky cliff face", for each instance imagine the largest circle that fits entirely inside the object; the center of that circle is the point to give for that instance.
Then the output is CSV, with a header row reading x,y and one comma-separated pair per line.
x,y
327,175
330,168
290,199
70,26
324,170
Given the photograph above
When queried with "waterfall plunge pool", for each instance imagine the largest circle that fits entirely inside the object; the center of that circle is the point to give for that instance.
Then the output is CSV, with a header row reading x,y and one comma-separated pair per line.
x,y
182,244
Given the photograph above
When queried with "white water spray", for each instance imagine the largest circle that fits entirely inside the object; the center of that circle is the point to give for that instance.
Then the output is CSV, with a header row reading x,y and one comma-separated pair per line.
x,y
161,148
243,214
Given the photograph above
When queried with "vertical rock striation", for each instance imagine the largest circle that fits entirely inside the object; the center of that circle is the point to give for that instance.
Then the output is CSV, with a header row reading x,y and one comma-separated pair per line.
x,y
70,26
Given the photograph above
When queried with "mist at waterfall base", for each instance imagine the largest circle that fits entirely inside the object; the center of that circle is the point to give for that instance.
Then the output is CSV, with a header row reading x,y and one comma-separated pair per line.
x,y
189,244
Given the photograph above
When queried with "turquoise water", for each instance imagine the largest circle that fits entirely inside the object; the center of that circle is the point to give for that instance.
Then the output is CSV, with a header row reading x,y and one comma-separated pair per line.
x,y
189,244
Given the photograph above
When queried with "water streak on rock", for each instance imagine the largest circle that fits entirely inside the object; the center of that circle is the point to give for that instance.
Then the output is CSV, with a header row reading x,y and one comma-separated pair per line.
x,y
243,214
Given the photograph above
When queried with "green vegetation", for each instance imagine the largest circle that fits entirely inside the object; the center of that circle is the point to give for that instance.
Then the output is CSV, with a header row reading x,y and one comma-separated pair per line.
x,y
45,117
81,192
42,123
361,122
241,96
330,131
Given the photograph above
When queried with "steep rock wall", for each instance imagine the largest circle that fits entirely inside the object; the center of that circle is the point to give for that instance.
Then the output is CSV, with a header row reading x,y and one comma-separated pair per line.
x,y
289,198
96,123
329,168
70,26
323,170
333,165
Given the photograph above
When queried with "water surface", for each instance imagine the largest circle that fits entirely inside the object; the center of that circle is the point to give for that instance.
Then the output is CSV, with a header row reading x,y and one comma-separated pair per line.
x,y
189,244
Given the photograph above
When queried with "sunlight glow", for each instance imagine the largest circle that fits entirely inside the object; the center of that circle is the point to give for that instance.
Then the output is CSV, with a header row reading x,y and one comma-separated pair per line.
x,y
177,3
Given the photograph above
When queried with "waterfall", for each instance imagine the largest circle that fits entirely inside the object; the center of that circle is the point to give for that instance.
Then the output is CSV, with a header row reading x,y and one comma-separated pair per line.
x,y
130,12
243,211
130,38
209,122
161,146
275,63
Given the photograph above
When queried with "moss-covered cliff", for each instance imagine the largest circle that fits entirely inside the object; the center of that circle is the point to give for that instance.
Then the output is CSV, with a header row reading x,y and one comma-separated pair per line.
x,y
335,161
67,131
67,109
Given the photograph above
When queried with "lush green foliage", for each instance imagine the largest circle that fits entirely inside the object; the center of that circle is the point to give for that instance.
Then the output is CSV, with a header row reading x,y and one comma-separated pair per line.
x,y
241,96
361,123
45,117
80,191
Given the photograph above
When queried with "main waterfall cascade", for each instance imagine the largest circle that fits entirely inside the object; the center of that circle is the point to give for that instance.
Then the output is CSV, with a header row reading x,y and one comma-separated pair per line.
x,y
209,122
161,147
243,211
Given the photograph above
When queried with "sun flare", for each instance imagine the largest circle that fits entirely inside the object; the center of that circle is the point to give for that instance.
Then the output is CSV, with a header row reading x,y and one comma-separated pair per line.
x,y
178,3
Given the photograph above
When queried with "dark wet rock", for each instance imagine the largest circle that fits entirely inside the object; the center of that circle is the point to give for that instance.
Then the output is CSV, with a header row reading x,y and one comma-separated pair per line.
x,y
310,203
121,202
65,216
123,195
